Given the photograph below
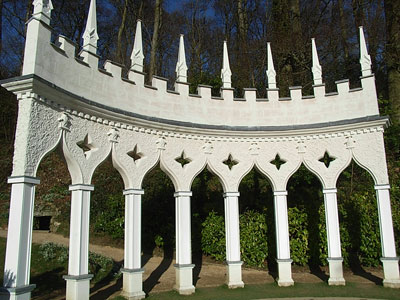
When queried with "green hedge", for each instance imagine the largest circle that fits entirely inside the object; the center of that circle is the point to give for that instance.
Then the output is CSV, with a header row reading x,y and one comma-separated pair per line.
x,y
359,234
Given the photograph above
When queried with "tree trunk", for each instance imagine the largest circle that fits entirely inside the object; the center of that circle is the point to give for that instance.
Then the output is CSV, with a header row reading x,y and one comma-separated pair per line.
x,y
154,41
392,12
358,13
120,52
344,37
1,24
28,13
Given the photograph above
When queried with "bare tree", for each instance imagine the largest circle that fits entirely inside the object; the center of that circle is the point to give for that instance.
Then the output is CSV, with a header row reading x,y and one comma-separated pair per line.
x,y
155,39
392,11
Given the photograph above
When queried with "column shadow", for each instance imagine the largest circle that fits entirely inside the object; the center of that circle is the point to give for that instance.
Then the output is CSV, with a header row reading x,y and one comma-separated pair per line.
x,y
154,277
317,271
198,263
106,293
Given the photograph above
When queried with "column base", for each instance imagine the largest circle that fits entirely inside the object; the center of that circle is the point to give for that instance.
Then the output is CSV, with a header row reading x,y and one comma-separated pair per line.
x,y
132,286
234,274
184,279
17,293
391,277
336,271
78,287
285,272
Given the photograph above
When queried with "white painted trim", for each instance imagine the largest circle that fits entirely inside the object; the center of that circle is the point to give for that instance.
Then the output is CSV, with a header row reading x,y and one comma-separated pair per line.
x,y
133,192
23,179
81,187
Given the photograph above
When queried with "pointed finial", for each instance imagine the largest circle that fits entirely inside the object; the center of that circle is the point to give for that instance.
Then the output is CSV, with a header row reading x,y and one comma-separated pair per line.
x,y
365,59
181,67
137,52
42,10
271,74
316,67
226,70
90,36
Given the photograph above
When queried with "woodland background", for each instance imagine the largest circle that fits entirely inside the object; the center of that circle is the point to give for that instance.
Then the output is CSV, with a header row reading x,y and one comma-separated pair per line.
x,y
247,25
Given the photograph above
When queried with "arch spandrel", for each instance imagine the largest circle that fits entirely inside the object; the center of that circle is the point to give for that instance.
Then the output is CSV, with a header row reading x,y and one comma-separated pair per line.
x,y
230,161
368,151
182,160
86,145
339,156
36,135
134,154
288,152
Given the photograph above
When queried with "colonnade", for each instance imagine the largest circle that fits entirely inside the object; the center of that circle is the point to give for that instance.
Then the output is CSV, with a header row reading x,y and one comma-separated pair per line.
x,y
17,267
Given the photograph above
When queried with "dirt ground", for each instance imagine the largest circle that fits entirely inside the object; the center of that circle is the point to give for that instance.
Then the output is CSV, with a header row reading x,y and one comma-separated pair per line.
x,y
159,272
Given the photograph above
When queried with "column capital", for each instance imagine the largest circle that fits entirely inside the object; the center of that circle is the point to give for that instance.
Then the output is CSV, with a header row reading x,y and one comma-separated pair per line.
x,y
183,194
81,187
133,192
382,187
231,194
280,193
329,191
23,179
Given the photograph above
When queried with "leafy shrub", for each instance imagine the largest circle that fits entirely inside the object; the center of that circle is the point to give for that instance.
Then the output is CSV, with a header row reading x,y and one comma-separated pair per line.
x,y
369,234
111,220
213,236
253,238
51,251
298,233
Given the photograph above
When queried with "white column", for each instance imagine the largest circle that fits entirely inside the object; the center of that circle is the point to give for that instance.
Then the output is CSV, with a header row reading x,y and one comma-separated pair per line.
x,y
132,287
282,239
78,279
19,239
183,266
389,258
335,259
232,238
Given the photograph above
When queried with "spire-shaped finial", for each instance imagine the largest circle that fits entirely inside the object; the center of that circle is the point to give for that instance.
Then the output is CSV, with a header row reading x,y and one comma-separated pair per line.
x,y
42,10
90,36
316,67
137,52
365,59
271,74
181,67
226,70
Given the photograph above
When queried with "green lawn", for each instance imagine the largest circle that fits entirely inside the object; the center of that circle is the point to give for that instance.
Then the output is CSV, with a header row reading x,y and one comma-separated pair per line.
x,y
273,291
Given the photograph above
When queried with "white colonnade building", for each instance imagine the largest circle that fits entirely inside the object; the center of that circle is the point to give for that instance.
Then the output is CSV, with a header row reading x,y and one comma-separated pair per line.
x,y
93,113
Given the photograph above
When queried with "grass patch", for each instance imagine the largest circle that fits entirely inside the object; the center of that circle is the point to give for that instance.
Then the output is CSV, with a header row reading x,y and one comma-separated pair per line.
x,y
50,262
271,290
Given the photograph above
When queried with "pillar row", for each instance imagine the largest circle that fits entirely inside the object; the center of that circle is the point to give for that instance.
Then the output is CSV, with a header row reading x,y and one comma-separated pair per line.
x,y
19,239
132,287
232,238
78,278
282,239
389,258
335,259
183,266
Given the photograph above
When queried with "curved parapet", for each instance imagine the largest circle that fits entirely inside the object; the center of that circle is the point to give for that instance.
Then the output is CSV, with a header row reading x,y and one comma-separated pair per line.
x,y
56,65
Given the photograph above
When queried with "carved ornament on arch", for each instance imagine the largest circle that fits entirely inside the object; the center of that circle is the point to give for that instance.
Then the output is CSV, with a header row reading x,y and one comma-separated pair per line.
x,y
134,156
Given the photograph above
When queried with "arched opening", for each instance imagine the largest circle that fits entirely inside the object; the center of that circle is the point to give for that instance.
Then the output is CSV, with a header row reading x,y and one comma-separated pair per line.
x,y
359,222
51,215
306,216
52,197
257,226
108,217
158,225
207,207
